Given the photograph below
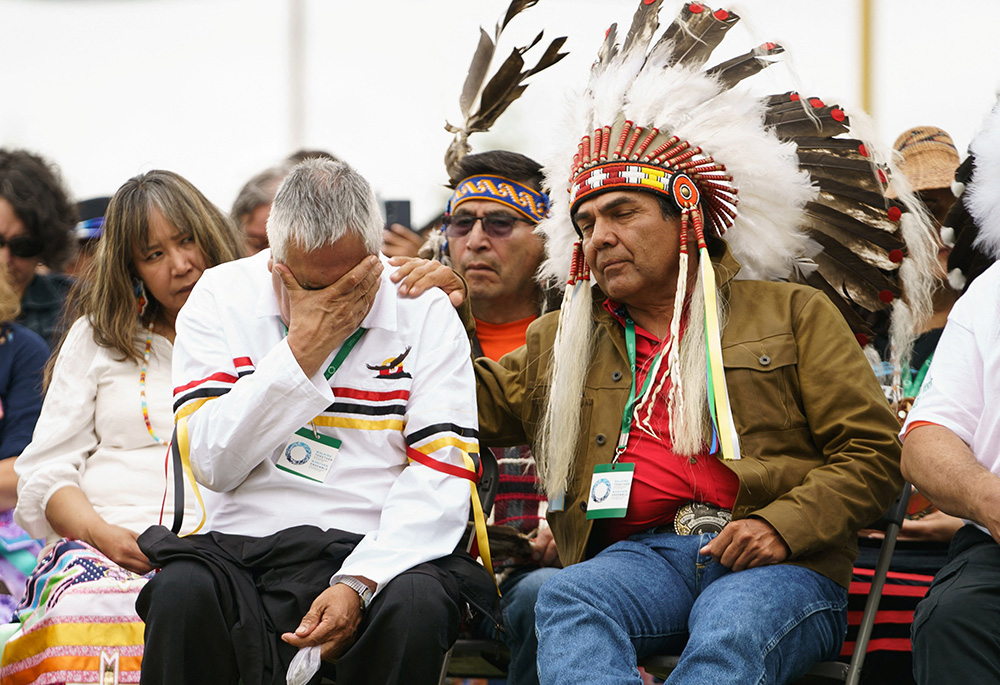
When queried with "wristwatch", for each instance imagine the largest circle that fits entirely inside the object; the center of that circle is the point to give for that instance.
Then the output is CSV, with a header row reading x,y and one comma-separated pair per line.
x,y
365,593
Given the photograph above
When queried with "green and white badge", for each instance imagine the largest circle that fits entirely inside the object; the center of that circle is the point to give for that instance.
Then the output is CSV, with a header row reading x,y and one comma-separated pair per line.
x,y
309,455
609,490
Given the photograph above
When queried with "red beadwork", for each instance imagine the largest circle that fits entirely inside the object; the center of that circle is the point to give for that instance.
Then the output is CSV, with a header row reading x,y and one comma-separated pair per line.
x,y
794,97
817,103
895,256
653,132
673,145
882,177
622,138
636,132
837,114
721,15
886,296
695,8
863,150
677,159
598,139
894,213
862,339
605,140
586,150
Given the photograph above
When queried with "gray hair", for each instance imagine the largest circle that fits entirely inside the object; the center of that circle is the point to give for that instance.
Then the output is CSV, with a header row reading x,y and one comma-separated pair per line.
x,y
319,202
258,191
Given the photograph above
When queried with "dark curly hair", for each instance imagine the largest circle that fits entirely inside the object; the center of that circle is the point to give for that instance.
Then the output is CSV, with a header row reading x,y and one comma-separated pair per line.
x,y
35,190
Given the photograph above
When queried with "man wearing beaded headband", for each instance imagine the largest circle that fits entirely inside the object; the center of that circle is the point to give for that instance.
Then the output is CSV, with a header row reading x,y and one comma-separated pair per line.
x,y
489,227
731,399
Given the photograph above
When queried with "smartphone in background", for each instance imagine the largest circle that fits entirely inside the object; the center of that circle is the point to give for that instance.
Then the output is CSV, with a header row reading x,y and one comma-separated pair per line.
x,y
397,212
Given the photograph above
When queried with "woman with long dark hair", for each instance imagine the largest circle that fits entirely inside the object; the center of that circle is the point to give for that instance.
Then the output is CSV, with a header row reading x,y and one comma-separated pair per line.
x,y
93,477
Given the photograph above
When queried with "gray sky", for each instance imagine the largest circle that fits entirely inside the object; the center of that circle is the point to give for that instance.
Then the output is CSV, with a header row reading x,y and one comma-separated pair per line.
x,y
110,88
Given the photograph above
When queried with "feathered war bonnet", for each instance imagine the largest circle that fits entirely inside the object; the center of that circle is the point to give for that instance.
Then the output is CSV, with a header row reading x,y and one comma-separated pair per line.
x,y
792,200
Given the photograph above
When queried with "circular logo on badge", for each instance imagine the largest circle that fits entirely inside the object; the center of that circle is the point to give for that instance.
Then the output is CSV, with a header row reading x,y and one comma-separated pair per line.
x,y
601,490
298,453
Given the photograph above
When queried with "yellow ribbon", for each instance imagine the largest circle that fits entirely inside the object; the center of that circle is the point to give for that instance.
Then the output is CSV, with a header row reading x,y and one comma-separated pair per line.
x,y
728,439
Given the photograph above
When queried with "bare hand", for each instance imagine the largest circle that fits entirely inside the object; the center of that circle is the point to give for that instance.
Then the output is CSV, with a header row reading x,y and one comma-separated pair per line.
x,y
936,526
400,241
747,543
415,276
330,622
543,548
320,320
119,544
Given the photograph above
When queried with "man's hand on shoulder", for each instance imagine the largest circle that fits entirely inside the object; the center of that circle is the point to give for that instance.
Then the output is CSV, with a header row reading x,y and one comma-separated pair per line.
x,y
320,320
416,276
330,622
747,543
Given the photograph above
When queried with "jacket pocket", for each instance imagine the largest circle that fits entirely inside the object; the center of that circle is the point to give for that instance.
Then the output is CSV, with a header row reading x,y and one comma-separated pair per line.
x,y
761,377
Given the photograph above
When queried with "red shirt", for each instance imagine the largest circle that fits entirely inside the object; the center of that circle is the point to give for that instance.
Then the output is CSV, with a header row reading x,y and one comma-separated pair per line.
x,y
663,481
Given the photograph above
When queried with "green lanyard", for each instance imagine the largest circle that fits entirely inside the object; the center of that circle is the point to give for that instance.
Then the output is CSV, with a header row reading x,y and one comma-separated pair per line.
x,y
345,350
911,387
630,405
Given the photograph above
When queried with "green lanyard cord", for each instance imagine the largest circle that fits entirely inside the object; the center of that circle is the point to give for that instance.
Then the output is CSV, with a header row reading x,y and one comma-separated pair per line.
x,y
630,405
345,349
911,386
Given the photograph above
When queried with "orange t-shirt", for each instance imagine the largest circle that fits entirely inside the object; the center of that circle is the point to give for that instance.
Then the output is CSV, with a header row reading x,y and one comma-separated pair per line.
x,y
497,339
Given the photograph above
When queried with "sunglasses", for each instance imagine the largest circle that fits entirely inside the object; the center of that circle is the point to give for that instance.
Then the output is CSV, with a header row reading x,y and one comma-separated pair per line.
x,y
23,245
495,225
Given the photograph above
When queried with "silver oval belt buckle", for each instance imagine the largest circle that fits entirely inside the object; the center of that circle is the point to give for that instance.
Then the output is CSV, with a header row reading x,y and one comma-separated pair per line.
x,y
697,518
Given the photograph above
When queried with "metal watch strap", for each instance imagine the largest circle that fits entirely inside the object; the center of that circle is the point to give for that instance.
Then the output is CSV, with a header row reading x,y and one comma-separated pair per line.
x,y
365,593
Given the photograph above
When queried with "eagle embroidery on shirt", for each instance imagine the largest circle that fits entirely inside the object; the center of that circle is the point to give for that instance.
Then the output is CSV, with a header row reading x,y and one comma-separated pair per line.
x,y
391,368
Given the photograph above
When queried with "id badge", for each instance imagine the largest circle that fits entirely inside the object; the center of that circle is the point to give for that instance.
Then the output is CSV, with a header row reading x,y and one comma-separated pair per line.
x,y
309,455
609,490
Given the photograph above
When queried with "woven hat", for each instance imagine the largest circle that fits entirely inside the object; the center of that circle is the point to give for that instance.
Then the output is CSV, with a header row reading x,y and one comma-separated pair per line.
x,y
928,157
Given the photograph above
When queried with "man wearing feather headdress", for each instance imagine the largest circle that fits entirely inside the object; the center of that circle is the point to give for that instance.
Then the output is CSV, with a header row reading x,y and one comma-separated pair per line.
x,y
710,442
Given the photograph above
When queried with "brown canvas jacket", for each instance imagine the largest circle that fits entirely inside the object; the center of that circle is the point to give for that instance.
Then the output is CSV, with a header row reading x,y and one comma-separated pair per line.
x,y
818,440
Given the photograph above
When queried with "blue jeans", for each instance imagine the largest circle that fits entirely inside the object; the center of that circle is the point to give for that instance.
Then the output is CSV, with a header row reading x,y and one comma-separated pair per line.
x,y
519,591
655,594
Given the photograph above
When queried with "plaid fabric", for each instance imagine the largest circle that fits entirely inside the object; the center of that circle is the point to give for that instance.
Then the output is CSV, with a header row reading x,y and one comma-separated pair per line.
x,y
518,497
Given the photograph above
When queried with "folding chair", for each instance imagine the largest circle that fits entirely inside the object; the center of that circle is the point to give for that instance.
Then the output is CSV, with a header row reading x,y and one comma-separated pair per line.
x,y
836,671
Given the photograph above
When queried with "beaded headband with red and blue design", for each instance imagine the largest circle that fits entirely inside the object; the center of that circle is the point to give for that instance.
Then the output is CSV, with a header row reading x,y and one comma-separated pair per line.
x,y
524,200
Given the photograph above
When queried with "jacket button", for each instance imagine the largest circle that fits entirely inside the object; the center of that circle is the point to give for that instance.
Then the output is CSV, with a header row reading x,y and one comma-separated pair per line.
x,y
616,375
583,506
764,360
600,439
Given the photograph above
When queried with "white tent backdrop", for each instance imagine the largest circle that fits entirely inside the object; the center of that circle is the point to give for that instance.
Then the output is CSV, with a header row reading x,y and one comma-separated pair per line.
x,y
219,89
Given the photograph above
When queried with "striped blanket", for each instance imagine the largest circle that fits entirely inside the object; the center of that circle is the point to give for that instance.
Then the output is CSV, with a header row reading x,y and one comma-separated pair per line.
x,y
78,622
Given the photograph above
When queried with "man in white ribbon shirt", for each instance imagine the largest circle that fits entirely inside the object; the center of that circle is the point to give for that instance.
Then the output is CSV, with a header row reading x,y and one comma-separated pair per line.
x,y
333,423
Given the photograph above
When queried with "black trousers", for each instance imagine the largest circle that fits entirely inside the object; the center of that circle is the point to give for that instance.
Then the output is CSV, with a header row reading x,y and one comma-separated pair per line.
x,y
215,615
955,635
